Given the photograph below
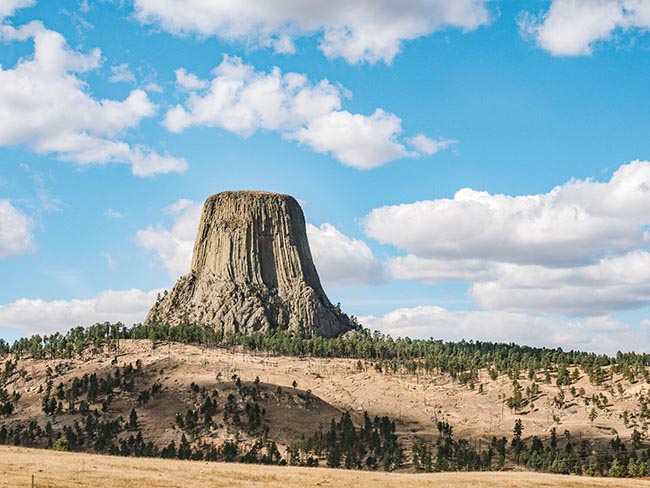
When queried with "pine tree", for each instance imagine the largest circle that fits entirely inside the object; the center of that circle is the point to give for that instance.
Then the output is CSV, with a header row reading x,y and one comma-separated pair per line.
x,y
133,420
184,449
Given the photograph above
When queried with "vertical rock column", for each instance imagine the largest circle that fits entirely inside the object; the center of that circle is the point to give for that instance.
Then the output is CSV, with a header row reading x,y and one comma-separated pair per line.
x,y
252,270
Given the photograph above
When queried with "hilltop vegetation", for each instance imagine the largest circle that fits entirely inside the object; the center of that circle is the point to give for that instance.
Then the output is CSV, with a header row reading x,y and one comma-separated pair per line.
x,y
112,389
460,359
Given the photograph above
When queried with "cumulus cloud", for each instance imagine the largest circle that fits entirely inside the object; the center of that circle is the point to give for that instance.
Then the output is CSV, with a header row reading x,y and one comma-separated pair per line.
x,y
339,259
342,260
43,317
573,27
9,7
354,139
581,249
573,224
45,105
15,230
362,31
598,334
243,100
613,283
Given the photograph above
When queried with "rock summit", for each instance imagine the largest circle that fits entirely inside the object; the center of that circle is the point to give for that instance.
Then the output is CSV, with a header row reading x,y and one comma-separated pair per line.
x,y
252,270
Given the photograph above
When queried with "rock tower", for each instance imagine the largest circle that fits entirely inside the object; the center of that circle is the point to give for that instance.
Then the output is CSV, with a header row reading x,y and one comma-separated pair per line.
x,y
252,270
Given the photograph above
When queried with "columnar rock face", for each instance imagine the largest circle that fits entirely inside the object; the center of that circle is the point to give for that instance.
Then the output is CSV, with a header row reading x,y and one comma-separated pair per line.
x,y
252,270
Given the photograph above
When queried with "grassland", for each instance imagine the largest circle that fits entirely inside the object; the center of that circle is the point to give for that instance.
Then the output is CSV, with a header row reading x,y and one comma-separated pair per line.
x,y
62,470
415,401
299,396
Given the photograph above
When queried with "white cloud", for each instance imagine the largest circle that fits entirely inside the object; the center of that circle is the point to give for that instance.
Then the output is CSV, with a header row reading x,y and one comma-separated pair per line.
x,y
15,230
613,283
174,246
432,270
362,31
146,162
8,7
189,81
45,105
339,259
242,100
43,317
575,223
573,27
428,146
47,202
599,334
354,139
154,87
113,214
342,260
581,249
121,74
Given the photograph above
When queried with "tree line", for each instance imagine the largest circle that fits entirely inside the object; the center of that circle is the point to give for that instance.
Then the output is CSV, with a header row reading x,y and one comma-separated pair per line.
x,y
462,360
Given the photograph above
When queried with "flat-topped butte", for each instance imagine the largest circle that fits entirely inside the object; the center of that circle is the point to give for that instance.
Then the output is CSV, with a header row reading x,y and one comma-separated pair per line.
x,y
252,270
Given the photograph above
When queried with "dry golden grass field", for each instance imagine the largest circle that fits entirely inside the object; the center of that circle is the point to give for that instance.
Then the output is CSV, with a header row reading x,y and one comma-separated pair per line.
x,y
62,470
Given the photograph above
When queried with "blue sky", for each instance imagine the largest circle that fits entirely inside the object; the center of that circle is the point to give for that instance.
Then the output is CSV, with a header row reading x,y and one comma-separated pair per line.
x,y
470,169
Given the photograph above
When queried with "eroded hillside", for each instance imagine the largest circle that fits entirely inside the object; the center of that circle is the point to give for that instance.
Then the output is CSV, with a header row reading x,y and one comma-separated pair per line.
x,y
144,399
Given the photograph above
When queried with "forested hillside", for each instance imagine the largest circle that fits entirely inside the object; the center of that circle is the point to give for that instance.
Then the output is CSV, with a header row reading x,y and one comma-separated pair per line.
x,y
363,401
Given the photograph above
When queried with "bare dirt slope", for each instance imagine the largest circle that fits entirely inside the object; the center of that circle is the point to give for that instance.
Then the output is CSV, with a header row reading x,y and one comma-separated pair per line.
x,y
62,470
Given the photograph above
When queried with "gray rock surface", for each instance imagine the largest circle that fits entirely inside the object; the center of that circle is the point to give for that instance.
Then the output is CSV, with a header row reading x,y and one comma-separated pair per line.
x,y
252,270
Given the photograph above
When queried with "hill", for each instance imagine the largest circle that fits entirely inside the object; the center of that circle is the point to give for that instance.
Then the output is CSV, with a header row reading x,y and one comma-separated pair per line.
x,y
570,414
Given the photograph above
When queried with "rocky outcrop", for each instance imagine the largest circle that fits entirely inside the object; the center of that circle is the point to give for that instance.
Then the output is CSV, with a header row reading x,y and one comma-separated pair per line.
x,y
252,270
